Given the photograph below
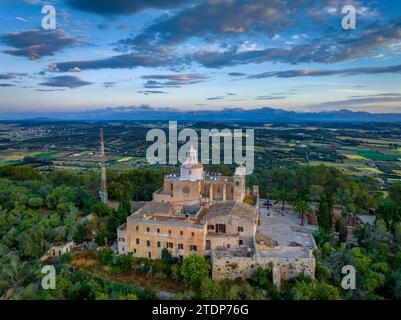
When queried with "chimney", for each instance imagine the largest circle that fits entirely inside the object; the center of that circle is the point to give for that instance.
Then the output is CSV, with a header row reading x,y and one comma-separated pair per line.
x,y
103,180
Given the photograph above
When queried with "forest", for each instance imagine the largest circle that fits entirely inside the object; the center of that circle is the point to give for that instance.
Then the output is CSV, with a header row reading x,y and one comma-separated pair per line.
x,y
38,210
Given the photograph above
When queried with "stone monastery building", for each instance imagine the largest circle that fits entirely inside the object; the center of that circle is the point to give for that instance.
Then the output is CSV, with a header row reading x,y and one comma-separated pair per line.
x,y
197,212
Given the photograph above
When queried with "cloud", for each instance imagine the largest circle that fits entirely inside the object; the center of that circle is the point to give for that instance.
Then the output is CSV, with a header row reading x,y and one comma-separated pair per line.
x,y
75,69
21,19
35,44
216,18
147,92
49,90
171,80
387,94
109,84
230,27
11,75
3,85
117,7
362,101
322,72
328,48
270,98
236,74
127,61
65,81
215,98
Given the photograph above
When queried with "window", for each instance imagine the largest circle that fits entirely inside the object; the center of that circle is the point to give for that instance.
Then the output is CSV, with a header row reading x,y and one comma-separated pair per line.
x,y
149,255
158,230
210,226
158,244
137,228
228,246
192,234
221,228
240,229
148,229
122,249
148,243
181,233
169,232
241,242
180,246
190,171
237,183
193,248
170,245
134,250
137,241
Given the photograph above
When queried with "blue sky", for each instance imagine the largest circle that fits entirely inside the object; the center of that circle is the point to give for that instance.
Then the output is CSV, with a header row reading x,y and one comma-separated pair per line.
x,y
206,54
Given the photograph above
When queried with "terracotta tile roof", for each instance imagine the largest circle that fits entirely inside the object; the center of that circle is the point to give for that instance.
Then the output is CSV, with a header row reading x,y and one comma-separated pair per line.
x,y
233,208
157,208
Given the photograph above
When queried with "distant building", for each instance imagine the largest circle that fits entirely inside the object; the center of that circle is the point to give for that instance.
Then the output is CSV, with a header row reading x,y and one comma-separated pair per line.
x,y
58,250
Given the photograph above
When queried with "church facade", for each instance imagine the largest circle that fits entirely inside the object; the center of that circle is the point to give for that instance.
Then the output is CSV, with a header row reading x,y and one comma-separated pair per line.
x,y
194,187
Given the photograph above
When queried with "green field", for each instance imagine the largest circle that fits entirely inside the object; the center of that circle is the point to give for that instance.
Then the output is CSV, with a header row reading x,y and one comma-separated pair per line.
x,y
46,155
377,156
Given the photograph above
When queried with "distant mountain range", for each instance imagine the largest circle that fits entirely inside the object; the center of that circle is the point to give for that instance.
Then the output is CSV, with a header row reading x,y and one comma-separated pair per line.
x,y
231,114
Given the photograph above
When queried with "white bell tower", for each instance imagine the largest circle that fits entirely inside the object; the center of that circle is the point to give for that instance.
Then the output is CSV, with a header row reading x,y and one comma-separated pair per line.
x,y
191,169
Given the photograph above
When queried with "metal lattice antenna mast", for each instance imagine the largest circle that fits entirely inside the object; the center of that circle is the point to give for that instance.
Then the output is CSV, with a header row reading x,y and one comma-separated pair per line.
x,y
103,183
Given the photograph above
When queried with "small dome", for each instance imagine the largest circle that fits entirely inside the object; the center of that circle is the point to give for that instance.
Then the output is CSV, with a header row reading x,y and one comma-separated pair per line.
x,y
240,170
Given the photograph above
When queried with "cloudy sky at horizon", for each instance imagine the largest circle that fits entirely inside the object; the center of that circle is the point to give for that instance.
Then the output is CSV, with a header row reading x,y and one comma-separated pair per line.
x,y
202,54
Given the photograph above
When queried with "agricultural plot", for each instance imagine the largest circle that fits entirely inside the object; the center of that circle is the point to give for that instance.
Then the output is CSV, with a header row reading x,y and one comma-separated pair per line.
x,y
46,155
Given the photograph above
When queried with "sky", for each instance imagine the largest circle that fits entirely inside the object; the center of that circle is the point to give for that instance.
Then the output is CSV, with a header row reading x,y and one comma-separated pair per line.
x,y
198,55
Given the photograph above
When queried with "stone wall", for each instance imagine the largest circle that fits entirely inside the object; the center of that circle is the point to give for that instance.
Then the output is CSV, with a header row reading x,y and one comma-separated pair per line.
x,y
229,267
287,263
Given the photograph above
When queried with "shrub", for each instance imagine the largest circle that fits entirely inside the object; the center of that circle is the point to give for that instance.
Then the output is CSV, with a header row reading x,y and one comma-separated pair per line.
x,y
194,269
124,263
105,256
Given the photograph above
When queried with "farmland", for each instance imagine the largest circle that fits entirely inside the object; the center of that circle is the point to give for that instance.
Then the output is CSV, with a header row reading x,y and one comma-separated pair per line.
x,y
356,149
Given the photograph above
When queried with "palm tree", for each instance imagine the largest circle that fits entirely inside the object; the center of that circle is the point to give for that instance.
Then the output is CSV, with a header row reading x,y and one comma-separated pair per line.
x,y
282,196
302,207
